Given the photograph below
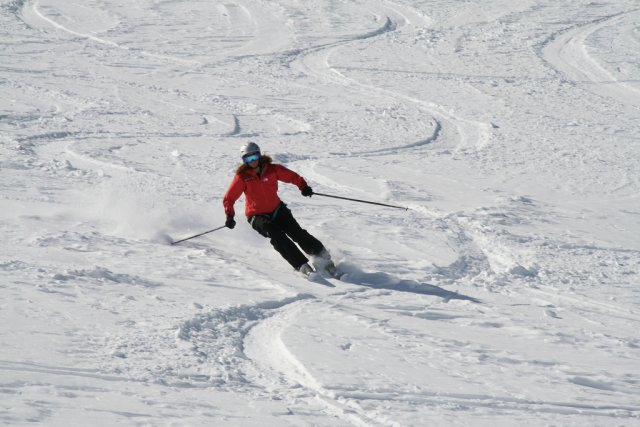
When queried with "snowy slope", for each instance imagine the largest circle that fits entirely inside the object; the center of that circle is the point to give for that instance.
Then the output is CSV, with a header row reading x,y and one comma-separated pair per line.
x,y
508,293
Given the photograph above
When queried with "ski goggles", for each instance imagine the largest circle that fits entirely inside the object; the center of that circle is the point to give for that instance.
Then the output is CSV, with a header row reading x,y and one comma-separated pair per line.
x,y
251,157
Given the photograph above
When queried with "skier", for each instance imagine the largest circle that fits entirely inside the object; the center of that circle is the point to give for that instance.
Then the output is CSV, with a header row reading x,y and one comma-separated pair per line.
x,y
258,178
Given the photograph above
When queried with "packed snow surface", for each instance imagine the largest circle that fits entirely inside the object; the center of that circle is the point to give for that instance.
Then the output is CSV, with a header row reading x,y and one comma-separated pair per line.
x,y
508,293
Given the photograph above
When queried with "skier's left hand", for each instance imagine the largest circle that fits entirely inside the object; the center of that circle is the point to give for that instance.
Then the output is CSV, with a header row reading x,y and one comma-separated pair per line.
x,y
307,191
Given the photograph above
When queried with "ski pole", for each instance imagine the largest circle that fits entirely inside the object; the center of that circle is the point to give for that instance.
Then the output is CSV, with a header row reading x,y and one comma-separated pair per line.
x,y
361,201
198,235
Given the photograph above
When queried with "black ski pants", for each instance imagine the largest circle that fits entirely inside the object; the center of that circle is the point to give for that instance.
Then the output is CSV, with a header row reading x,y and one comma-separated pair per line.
x,y
283,230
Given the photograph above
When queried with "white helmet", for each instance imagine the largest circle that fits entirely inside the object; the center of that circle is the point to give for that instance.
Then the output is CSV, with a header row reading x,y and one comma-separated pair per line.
x,y
249,148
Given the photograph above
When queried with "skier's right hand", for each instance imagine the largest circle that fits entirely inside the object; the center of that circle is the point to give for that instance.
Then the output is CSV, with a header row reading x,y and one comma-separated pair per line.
x,y
230,222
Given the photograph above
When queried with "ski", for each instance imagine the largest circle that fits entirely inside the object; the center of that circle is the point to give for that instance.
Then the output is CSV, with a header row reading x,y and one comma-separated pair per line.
x,y
333,271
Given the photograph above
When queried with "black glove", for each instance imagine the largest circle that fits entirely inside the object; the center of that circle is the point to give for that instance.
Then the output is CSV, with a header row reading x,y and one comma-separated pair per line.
x,y
230,222
307,191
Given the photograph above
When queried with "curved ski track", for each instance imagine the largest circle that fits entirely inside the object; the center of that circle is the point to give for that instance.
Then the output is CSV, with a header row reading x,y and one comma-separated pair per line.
x,y
244,343
314,61
31,13
280,370
567,53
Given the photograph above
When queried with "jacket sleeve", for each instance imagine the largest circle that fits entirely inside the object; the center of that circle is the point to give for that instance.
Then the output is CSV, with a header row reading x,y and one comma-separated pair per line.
x,y
234,192
289,176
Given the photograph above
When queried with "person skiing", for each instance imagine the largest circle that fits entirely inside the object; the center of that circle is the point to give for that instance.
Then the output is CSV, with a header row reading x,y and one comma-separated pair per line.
x,y
257,177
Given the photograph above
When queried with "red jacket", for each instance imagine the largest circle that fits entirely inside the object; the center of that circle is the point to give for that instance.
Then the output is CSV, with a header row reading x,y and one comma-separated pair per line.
x,y
261,192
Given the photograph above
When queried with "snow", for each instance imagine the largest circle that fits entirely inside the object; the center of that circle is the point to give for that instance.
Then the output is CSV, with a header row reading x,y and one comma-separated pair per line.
x,y
506,294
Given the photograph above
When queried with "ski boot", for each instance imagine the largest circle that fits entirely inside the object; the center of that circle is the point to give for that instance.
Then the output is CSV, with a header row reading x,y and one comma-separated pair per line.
x,y
323,261
306,269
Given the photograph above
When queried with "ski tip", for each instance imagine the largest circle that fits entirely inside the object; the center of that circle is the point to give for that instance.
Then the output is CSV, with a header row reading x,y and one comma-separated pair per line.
x,y
336,274
162,237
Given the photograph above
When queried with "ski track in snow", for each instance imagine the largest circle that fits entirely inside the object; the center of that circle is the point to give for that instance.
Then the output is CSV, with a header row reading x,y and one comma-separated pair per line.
x,y
221,333
316,61
31,8
265,346
568,52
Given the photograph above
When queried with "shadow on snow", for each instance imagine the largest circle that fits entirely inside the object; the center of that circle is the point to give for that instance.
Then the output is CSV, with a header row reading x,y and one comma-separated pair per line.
x,y
385,281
